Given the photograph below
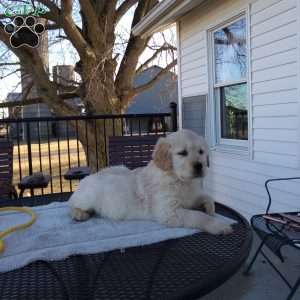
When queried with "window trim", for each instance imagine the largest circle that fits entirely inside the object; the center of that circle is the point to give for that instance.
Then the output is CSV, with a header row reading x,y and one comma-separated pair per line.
x,y
214,89
227,83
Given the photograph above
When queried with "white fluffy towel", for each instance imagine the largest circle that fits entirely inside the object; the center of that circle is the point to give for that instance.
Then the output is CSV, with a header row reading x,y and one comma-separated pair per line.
x,y
56,236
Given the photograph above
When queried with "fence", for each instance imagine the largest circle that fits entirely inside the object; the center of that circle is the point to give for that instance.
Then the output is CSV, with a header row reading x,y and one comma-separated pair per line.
x,y
3,113
51,144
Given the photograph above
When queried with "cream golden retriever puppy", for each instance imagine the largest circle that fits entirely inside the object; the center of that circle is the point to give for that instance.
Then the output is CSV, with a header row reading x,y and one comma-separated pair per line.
x,y
168,190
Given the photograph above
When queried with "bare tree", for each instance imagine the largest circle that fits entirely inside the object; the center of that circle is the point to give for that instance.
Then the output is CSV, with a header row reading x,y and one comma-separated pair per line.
x,y
106,85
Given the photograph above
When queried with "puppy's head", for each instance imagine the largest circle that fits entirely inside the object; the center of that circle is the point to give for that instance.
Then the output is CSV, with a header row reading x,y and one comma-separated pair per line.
x,y
184,153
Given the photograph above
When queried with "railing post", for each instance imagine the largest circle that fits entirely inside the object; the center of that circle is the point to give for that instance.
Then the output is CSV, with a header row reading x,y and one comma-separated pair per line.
x,y
173,107
29,148
29,154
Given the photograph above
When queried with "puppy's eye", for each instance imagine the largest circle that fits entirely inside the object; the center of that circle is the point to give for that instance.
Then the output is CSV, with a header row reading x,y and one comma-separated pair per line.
x,y
182,153
201,151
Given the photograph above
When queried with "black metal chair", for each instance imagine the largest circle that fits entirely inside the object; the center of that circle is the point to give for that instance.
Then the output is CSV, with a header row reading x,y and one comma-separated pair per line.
x,y
276,231
7,189
131,151
36,180
77,173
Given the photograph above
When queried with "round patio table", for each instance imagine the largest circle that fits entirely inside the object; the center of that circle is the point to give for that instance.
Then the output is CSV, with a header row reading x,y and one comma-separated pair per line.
x,y
183,268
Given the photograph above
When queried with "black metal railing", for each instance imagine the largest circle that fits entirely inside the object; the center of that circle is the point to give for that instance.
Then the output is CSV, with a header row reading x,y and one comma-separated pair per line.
x,y
53,145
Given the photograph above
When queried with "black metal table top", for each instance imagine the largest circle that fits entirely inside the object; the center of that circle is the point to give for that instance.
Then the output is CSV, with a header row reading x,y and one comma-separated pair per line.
x,y
184,268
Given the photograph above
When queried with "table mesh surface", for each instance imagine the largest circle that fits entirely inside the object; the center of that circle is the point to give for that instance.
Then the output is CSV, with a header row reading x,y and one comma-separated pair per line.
x,y
184,268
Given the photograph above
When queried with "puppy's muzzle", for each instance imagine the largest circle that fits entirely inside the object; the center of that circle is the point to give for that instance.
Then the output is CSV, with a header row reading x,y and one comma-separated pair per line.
x,y
198,168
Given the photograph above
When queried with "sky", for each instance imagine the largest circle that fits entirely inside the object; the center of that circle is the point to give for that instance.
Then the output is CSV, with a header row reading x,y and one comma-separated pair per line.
x,y
64,54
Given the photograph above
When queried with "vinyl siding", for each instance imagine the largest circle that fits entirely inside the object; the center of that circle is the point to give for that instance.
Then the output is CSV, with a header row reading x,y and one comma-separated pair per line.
x,y
240,183
275,85
194,65
238,180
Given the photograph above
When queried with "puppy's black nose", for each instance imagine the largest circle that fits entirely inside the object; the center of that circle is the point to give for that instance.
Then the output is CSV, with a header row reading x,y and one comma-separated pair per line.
x,y
198,167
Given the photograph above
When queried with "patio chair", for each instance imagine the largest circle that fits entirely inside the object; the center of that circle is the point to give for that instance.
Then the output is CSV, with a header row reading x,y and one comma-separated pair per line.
x,y
36,180
77,173
275,231
131,151
7,190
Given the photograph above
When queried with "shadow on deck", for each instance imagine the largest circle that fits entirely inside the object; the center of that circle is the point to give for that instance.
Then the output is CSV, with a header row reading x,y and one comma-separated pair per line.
x,y
262,283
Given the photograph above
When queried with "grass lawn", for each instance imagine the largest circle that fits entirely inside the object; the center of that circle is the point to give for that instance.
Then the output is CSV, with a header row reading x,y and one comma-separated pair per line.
x,y
44,156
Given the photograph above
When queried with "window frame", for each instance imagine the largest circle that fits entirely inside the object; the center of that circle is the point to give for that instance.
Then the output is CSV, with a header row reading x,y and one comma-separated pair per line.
x,y
240,145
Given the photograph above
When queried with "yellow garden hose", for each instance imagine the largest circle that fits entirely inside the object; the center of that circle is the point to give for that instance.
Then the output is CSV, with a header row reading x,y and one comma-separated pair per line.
x,y
8,231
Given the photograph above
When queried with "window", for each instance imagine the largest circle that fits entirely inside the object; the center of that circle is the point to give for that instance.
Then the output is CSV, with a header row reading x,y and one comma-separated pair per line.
x,y
230,82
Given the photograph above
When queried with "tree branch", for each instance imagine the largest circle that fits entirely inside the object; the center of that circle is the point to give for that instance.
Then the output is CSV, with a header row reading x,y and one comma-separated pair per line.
x,y
33,64
23,102
3,16
154,56
9,64
150,83
91,20
9,74
53,26
51,5
123,8
134,49
54,13
72,31
20,103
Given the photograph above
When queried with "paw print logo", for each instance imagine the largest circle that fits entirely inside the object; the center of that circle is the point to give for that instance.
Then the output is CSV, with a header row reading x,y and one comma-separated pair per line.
x,y
24,32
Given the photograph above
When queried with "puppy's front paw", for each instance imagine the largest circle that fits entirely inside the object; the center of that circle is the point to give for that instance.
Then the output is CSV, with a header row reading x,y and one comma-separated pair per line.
x,y
209,207
218,227
79,214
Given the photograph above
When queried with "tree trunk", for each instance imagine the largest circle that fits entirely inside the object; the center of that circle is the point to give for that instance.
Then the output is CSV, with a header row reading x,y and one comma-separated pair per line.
x,y
99,98
92,136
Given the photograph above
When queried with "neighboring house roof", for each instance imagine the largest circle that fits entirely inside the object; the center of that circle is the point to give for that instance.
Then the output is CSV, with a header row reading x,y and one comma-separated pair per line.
x,y
156,99
164,14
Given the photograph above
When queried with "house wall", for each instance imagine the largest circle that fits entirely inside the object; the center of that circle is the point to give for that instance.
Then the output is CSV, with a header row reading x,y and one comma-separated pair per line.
x,y
274,110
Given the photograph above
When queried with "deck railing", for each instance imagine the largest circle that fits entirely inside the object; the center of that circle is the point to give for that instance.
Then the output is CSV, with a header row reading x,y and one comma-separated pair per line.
x,y
52,145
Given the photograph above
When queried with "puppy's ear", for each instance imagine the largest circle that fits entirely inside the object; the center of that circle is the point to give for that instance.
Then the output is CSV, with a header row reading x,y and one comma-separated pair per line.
x,y
162,156
207,160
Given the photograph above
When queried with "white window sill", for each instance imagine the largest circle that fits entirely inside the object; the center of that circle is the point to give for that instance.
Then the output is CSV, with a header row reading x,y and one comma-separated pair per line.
x,y
232,150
